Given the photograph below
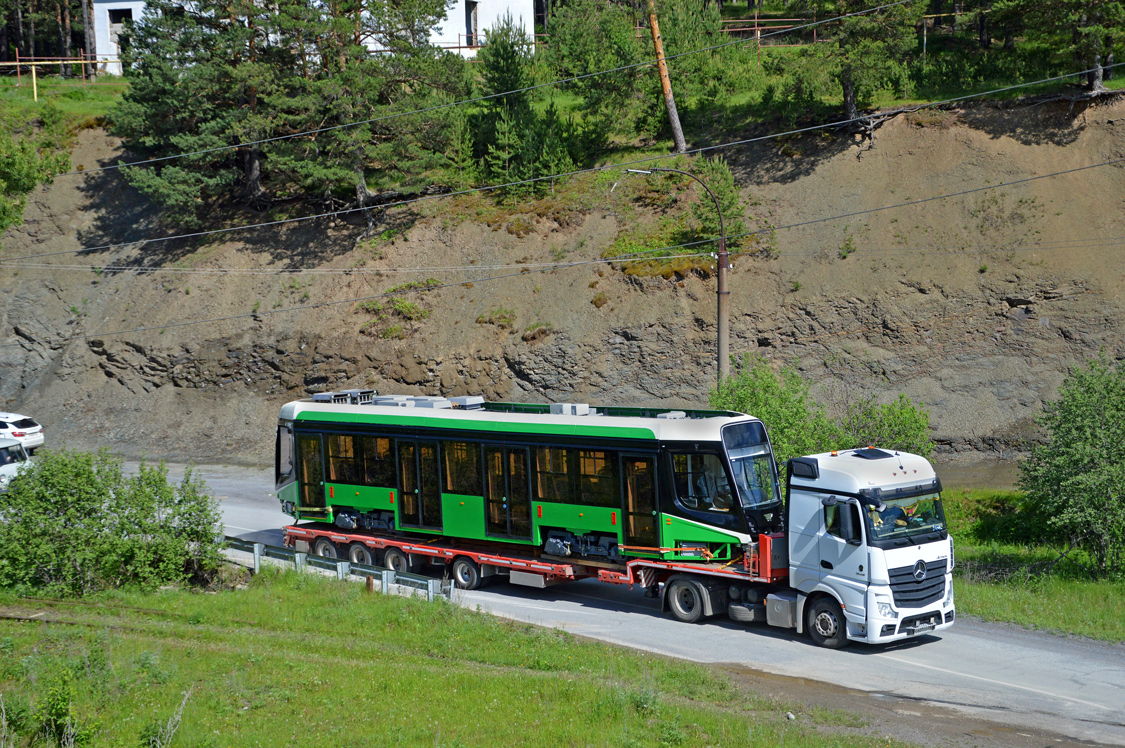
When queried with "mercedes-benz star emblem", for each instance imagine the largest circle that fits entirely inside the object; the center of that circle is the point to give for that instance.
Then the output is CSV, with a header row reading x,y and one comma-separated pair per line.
x,y
920,570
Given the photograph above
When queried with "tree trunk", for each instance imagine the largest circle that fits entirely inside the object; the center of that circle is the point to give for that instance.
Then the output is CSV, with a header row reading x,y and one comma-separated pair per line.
x,y
252,176
1009,37
31,29
91,46
851,111
956,10
983,32
4,43
67,37
20,41
1095,75
1108,74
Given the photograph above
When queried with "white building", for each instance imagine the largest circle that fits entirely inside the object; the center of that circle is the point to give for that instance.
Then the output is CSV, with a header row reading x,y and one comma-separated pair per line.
x,y
462,31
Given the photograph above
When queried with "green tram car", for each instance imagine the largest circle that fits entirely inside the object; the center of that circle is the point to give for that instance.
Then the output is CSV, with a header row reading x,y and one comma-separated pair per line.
x,y
564,480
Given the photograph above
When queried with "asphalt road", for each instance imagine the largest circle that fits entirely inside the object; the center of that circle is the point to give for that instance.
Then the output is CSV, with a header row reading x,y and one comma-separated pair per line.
x,y
1068,686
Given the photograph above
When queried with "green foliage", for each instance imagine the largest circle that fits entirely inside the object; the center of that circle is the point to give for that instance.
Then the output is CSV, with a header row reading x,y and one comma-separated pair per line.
x,y
73,524
1077,478
797,425
25,162
501,317
716,174
899,425
231,73
1082,33
588,36
864,53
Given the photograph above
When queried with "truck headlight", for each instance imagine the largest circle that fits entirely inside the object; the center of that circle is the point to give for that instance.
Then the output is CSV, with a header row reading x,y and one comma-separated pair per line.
x,y
885,608
948,596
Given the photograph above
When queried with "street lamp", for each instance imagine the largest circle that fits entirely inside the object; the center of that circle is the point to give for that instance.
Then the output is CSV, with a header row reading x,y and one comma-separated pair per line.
x,y
724,265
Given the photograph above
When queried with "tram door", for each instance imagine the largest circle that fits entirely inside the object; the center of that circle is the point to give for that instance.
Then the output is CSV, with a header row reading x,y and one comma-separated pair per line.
x,y
640,501
420,505
509,492
310,477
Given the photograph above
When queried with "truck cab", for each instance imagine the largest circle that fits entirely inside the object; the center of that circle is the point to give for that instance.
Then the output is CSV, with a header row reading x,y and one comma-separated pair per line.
x,y
870,557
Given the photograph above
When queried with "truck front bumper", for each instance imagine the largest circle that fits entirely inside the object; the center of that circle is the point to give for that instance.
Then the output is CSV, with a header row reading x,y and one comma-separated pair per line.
x,y
905,623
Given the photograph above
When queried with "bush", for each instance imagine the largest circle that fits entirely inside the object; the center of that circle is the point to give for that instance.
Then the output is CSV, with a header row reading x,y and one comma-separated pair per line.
x,y
898,425
797,425
1077,479
72,523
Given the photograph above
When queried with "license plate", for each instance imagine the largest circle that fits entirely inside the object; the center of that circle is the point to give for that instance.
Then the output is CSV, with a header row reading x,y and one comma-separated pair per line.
x,y
922,628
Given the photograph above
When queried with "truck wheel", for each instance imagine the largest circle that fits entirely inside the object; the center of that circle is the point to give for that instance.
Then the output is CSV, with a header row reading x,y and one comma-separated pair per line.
x,y
466,573
827,625
686,600
396,560
325,548
358,553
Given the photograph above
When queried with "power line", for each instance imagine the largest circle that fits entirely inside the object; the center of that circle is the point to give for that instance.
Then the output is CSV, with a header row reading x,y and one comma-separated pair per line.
x,y
488,188
639,256
188,323
479,99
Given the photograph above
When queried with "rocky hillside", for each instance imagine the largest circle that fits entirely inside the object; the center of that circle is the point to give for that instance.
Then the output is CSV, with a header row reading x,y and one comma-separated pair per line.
x,y
974,305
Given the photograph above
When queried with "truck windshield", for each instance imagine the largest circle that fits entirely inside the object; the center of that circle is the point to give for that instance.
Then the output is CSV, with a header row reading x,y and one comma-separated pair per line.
x,y
907,518
751,461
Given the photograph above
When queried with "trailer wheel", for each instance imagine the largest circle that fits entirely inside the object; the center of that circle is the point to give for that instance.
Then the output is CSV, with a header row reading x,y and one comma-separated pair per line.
x,y
685,600
466,573
358,553
396,560
325,548
827,625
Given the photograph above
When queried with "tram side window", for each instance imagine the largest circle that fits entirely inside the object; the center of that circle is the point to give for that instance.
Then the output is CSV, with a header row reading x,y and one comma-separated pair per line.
x,y
701,482
345,463
462,468
378,462
598,482
553,476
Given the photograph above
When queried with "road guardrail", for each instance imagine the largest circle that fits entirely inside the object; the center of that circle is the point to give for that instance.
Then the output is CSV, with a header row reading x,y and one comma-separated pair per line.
x,y
344,569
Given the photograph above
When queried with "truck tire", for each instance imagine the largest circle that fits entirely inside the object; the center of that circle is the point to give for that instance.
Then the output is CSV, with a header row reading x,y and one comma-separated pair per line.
x,y
685,600
396,560
466,573
325,548
827,625
358,553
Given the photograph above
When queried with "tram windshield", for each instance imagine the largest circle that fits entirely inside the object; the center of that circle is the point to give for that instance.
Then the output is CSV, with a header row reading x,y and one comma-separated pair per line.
x,y
751,461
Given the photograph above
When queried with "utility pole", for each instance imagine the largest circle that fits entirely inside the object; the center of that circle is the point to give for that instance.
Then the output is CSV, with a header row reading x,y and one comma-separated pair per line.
x,y
722,292
665,82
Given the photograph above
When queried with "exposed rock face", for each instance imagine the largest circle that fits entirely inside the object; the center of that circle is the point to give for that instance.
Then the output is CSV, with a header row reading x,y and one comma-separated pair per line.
x,y
976,305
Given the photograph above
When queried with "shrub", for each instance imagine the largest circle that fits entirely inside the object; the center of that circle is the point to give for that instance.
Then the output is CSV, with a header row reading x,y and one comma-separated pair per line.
x,y
1077,479
72,523
897,425
797,425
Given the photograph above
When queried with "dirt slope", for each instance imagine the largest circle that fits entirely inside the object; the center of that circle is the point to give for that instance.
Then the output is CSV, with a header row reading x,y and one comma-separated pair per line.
x,y
974,305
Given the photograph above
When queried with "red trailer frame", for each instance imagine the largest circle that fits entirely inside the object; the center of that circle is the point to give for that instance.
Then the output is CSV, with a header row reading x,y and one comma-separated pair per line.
x,y
758,568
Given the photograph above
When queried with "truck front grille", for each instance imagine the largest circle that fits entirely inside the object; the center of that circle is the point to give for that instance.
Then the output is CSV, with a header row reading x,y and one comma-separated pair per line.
x,y
910,593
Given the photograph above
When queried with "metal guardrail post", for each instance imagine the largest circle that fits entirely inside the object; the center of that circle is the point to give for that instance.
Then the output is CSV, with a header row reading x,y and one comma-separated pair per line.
x,y
388,580
299,561
343,569
258,547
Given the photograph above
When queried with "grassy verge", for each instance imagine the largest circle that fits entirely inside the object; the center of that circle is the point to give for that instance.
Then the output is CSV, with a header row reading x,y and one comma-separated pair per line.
x,y
77,102
1000,576
302,658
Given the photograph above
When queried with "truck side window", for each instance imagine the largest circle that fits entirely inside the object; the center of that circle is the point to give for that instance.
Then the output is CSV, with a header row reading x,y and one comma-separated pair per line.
x,y
832,518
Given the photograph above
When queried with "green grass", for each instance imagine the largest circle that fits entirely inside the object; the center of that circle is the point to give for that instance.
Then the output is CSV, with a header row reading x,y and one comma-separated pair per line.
x,y
76,101
1005,573
304,658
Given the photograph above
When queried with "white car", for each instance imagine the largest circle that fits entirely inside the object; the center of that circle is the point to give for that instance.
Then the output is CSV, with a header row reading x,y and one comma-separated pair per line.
x,y
12,459
23,429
